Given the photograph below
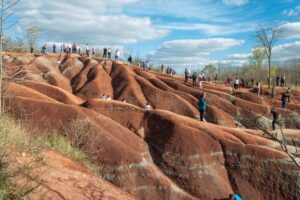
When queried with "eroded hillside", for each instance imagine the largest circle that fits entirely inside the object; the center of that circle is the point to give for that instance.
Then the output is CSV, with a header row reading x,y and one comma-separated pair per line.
x,y
165,153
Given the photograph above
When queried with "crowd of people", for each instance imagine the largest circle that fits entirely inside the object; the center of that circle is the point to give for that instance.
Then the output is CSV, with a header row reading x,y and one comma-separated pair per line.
x,y
77,49
280,80
236,83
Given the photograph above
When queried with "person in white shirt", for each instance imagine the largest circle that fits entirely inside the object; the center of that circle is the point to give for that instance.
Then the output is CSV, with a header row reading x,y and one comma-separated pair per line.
x,y
148,107
69,48
117,54
87,50
236,83
109,53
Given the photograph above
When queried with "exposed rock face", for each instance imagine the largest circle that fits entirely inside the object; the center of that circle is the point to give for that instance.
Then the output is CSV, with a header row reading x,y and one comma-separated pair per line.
x,y
165,153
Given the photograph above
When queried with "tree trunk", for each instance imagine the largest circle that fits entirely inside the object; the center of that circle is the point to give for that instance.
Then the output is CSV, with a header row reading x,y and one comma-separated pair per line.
x,y
1,60
269,62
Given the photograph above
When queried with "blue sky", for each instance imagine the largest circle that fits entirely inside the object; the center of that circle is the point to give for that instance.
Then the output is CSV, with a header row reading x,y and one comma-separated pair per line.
x,y
172,32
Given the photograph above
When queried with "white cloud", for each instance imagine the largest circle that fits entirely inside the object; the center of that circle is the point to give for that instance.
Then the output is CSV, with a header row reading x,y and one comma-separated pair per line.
x,y
235,2
292,12
212,29
191,52
245,56
290,30
287,51
94,22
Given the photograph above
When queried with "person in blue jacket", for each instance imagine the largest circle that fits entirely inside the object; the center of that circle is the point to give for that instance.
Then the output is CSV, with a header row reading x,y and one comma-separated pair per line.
x,y
235,197
202,106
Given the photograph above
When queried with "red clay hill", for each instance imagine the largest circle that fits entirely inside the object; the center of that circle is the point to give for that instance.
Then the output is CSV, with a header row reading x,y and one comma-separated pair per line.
x,y
165,153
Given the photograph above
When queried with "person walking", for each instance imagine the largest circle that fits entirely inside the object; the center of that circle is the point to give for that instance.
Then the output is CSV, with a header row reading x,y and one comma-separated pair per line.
x,y
277,80
194,77
186,75
235,197
130,59
109,53
104,52
273,92
258,88
282,81
54,48
117,55
148,107
162,69
87,50
275,118
31,48
65,48
216,78
74,48
283,100
69,48
289,94
202,106
236,83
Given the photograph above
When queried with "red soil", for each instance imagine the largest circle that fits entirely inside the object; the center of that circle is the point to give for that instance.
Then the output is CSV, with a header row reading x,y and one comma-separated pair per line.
x,y
166,153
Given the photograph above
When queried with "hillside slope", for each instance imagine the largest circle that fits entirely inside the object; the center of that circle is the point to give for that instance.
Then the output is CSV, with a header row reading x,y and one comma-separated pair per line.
x,y
165,153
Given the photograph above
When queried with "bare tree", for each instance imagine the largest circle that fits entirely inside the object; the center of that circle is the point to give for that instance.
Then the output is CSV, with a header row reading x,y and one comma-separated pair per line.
x,y
5,24
266,38
279,137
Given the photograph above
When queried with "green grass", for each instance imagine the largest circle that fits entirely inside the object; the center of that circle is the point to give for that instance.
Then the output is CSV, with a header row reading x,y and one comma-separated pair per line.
x,y
15,137
63,145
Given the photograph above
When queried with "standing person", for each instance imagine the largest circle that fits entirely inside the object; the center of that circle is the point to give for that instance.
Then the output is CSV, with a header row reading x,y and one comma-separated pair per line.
x,y
282,81
202,106
43,49
252,82
235,197
74,48
275,118
78,49
194,77
162,69
236,83
148,107
186,75
54,48
242,83
277,80
258,88
289,94
117,55
87,50
109,53
130,59
144,66
93,52
69,48
283,100
104,52
273,92
64,48
31,48
216,78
